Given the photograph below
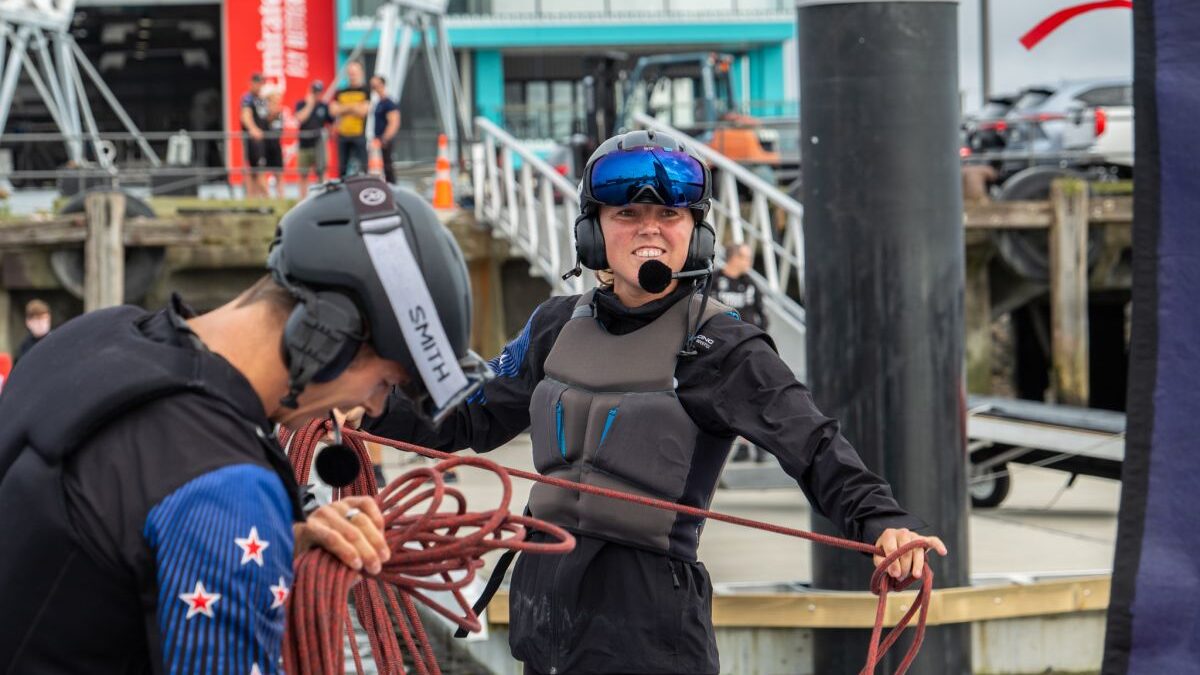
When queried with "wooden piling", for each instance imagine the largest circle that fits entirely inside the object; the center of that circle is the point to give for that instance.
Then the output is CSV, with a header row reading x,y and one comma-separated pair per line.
x,y
978,310
1068,238
104,251
6,322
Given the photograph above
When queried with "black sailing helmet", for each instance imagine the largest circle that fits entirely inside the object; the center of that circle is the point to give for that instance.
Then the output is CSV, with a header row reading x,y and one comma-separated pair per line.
x,y
370,261
643,166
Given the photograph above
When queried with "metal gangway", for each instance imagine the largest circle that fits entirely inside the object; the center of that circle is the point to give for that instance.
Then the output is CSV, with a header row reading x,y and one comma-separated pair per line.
x,y
532,206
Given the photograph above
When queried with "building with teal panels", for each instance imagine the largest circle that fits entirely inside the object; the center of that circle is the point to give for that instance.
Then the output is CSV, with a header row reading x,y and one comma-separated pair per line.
x,y
525,63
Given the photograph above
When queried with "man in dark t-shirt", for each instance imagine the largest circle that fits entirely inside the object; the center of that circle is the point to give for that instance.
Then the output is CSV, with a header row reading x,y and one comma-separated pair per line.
x,y
350,106
386,124
733,287
253,116
313,116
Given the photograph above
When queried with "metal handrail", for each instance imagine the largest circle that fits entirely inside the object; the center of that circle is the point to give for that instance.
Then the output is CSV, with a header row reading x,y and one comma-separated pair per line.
x,y
542,166
533,207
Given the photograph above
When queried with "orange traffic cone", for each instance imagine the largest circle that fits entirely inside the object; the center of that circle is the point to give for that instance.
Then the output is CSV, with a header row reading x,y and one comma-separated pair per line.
x,y
443,184
375,159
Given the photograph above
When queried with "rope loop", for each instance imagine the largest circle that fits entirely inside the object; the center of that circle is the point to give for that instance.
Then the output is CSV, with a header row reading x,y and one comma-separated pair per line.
x,y
437,545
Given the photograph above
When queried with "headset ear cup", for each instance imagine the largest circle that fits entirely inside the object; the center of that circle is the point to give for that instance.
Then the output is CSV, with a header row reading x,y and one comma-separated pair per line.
x,y
589,242
347,323
291,331
702,247
326,351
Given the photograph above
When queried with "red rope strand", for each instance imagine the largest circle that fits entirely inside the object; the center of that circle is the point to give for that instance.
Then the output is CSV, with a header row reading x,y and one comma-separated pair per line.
x,y
439,550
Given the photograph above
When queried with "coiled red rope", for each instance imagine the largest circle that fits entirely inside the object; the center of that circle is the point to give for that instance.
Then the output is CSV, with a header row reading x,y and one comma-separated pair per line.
x,y
881,584
427,542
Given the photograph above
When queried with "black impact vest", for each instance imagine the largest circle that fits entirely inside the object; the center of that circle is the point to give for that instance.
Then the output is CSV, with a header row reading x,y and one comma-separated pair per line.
x,y
84,375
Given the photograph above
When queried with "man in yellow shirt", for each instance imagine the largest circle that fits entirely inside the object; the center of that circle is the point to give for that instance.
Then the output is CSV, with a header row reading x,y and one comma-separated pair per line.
x,y
350,106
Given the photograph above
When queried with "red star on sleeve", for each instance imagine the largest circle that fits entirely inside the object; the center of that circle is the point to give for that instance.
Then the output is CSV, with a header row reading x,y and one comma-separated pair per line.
x,y
200,601
279,594
252,547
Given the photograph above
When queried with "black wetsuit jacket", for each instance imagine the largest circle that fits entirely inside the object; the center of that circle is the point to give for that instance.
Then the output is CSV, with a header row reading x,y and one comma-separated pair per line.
x,y
145,505
610,608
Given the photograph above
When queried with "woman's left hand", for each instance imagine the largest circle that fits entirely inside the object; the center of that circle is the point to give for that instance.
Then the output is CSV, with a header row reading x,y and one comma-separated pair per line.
x,y
912,562
350,419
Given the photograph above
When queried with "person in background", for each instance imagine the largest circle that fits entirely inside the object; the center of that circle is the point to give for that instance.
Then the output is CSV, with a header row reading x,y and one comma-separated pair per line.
x,y
313,117
387,125
273,143
350,106
37,320
734,288
253,116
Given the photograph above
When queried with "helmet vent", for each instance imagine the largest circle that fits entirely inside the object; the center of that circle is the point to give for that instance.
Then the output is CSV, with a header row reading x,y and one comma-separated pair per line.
x,y
333,223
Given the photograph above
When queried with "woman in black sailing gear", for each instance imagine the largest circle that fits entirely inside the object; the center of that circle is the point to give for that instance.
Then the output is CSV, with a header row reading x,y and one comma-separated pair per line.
x,y
642,387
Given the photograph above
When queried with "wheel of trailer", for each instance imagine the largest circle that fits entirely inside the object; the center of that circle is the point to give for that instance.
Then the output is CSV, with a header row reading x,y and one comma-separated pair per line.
x,y
1027,252
143,265
988,487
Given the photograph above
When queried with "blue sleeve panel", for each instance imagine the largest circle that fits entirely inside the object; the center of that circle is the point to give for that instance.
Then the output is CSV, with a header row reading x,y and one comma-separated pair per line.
x,y
500,410
508,363
222,545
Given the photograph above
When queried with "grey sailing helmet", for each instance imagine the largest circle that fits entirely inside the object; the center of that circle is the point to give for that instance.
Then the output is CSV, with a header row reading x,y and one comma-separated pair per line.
x,y
372,262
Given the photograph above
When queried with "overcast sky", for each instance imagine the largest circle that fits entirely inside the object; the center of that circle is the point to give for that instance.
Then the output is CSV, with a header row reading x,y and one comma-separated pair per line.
x,y
1096,44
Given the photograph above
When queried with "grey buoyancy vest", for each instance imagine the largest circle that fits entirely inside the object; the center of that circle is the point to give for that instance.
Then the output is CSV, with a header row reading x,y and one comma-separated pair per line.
x,y
607,414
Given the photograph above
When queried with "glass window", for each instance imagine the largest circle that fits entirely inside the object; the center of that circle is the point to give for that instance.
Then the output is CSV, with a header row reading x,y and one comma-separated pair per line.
x,y
684,90
1032,98
562,108
469,7
514,6
995,108
365,7
1108,96
514,93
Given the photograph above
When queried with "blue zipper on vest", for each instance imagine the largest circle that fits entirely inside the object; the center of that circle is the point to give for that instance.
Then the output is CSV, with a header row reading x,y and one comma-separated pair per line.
x,y
612,415
562,439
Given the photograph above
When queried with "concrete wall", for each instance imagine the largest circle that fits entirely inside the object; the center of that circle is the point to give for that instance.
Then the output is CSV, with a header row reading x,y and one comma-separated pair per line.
x,y
1058,644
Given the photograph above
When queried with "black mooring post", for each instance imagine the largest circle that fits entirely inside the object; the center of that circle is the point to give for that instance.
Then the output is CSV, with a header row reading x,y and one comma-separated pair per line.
x,y
884,272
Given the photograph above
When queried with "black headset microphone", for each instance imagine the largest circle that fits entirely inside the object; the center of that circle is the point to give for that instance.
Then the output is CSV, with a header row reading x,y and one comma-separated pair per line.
x,y
337,465
654,277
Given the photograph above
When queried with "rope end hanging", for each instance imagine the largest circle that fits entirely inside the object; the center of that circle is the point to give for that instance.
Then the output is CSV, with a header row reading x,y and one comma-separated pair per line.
x,y
428,543
431,535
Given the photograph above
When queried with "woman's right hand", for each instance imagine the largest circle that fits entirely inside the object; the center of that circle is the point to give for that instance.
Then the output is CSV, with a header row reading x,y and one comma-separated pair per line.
x,y
352,418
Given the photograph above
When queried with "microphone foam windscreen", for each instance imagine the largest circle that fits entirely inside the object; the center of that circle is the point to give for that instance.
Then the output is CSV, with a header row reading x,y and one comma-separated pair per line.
x,y
654,277
337,465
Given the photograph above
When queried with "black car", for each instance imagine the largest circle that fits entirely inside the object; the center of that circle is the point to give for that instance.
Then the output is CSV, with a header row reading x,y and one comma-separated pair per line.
x,y
984,132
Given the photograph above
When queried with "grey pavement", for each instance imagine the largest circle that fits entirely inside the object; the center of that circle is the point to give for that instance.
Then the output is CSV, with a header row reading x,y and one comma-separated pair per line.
x,y
1040,528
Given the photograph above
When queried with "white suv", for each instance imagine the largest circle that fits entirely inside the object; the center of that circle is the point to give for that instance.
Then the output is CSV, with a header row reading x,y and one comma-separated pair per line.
x,y
1086,123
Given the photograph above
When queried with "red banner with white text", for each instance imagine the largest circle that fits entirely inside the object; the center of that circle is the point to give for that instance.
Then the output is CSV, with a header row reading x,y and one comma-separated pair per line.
x,y
291,43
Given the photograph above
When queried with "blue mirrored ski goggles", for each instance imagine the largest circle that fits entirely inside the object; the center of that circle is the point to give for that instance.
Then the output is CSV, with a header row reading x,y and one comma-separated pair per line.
x,y
675,177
